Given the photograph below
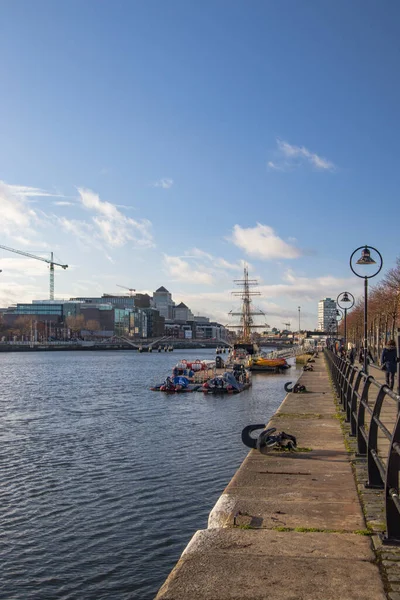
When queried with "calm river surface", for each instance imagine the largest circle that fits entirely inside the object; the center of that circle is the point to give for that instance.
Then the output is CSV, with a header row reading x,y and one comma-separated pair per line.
x,y
103,482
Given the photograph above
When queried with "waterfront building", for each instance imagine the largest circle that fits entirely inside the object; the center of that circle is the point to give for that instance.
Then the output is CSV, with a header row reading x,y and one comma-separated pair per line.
x,y
326,313
182,313
100,314
162,300
143,300
115,300
210,331
155,323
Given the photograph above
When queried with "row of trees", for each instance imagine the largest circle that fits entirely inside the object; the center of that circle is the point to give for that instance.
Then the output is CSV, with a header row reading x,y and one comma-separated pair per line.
x,y
383,313
27,326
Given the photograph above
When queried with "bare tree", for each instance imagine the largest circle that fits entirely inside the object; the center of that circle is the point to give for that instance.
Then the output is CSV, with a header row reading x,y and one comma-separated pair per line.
x,y
75,324
92,325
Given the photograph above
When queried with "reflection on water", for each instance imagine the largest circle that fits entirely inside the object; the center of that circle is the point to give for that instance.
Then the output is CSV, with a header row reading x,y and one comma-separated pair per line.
x,y
103,481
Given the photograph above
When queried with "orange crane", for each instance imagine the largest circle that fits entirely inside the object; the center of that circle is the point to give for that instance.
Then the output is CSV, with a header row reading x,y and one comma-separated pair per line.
x,y
46,260
126,288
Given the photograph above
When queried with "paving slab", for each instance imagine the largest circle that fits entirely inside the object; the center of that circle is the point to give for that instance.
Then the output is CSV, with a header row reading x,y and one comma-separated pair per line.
x,y
296,485
311,433
256,566
269,543
254,578
286,512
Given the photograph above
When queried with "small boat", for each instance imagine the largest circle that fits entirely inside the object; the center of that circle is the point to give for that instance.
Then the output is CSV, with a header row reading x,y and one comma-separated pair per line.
x,y
176,385
186,377
224,384
262,363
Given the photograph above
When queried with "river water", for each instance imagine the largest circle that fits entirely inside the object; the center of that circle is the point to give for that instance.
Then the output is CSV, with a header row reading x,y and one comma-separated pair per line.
x,y
103,482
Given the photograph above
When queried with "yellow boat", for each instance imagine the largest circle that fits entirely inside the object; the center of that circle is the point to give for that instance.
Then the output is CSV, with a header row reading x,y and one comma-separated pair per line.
x,y
261,363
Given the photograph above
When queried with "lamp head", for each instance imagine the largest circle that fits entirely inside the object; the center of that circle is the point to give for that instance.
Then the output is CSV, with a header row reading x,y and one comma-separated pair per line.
x,y
366,257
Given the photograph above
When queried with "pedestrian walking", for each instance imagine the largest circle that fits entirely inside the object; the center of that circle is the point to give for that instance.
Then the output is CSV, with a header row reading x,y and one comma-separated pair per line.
x,y
352,355
389,362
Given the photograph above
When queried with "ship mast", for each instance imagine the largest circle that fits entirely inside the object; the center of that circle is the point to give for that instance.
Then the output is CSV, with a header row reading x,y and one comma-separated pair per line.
x,y
246,314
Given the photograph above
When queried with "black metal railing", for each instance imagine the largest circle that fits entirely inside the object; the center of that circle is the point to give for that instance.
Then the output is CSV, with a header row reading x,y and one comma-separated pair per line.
x,y
372,409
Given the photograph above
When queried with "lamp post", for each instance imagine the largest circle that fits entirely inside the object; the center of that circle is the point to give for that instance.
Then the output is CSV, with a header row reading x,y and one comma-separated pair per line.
x,y
366,260
345,299
299,319
338,318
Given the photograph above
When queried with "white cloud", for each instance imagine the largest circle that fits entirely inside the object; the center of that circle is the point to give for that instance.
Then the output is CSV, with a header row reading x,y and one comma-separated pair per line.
x,y
107,226
262,242
181,270
274,166
197,253
216,263
27,191
290,156
164,183
16,216
111,225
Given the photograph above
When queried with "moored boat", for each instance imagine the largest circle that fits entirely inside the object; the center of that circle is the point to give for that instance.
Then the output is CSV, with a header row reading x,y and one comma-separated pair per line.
x,y
224,384
176,384
263,363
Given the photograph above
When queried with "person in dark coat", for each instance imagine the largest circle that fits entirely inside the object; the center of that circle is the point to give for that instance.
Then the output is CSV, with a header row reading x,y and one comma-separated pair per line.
x,y
352,355
389,362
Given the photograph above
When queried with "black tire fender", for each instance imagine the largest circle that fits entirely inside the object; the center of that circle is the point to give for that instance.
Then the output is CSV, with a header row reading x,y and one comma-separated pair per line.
x,y
263,437
247,440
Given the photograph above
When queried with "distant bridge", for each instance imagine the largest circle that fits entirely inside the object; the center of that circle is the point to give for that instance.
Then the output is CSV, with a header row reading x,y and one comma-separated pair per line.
x,y
320,333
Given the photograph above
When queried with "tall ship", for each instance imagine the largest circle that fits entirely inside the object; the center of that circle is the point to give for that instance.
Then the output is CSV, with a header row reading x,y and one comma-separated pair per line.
x,y
245,348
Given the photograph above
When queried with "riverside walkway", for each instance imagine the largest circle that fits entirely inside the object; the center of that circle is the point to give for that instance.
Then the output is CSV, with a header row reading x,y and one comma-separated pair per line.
x,y
289,526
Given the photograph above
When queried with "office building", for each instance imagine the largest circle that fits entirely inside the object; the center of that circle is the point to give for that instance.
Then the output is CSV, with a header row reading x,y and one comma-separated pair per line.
x,y
326,314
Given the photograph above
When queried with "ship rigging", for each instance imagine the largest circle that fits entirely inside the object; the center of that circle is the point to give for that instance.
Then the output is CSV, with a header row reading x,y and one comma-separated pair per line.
x,y
246,324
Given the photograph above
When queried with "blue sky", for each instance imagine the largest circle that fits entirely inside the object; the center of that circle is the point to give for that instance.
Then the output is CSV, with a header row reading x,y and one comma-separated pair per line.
x,y
163,143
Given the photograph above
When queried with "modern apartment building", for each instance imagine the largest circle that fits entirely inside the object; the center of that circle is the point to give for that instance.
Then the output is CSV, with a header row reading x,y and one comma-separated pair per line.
x,y
326,314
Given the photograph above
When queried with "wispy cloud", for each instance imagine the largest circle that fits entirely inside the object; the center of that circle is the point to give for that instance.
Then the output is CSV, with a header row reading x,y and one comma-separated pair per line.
x,y
164,183
262,242
106,227
32,192
17,217
213,261
112,226
289,156
182,270
198,266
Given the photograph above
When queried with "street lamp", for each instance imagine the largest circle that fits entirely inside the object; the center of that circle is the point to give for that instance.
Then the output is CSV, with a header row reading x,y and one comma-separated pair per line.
x,y
299,318
338,318
345,299
366,260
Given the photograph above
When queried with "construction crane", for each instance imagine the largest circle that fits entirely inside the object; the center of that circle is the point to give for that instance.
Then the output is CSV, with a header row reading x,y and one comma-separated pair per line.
x,y
126,288
46,260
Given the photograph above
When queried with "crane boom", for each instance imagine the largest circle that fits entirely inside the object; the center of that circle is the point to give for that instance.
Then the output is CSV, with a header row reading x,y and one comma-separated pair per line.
x,y
126,288
46,260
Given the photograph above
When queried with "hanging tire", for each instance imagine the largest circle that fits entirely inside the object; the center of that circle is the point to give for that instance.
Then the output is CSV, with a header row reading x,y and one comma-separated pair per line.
x,y
247,440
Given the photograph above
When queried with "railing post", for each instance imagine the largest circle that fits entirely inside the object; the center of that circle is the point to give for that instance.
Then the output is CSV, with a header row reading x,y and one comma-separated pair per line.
x,y
374,477
361,442
398,364
353,406
346,384
349,393
392,503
